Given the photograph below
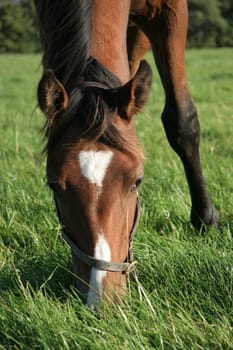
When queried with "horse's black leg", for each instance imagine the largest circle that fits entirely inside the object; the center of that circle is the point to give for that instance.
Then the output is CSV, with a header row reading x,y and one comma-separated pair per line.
x,y
167,33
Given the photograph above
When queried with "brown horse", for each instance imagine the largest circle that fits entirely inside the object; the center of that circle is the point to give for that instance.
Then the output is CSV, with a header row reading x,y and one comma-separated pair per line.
x,y
94,81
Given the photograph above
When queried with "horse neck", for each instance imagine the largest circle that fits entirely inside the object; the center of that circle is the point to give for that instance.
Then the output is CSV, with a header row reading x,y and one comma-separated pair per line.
x,y
109,30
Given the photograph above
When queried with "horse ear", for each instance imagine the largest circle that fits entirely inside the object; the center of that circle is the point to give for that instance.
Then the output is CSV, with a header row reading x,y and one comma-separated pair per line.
x,y
52,96
134,94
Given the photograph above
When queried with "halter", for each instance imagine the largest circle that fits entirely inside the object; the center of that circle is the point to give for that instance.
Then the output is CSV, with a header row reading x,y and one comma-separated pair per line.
x,y
125,267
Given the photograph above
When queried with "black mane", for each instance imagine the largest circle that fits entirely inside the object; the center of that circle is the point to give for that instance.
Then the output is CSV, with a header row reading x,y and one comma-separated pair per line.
x,y
65,32
95,108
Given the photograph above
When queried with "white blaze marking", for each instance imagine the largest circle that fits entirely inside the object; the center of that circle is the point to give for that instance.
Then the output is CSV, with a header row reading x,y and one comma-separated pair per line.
x,y
102,252
94,165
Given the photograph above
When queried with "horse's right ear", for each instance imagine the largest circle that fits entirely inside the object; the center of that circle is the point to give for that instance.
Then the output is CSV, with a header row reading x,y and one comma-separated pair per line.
x,y
52,96
133,95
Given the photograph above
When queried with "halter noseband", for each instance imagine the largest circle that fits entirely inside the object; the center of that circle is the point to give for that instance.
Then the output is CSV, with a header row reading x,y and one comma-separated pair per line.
x,y
125,267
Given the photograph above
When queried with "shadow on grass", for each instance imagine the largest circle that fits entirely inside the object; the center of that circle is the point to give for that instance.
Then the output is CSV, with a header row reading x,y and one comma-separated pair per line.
x,y
182,228
51,273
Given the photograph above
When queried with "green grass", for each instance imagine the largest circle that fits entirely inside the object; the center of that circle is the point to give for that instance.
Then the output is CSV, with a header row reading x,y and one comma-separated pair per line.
x,y
183,297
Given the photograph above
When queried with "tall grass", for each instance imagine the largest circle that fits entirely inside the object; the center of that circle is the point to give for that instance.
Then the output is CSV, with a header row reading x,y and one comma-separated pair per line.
x,y
181,297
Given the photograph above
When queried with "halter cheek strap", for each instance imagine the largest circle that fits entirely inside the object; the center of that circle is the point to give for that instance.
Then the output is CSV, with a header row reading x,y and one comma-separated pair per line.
x,y
125,267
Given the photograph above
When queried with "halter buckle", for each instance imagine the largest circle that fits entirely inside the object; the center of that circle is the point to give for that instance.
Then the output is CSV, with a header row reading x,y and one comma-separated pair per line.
x,y
132,266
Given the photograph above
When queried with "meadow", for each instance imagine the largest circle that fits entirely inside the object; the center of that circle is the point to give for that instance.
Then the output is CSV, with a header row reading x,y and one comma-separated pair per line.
x,y
182,295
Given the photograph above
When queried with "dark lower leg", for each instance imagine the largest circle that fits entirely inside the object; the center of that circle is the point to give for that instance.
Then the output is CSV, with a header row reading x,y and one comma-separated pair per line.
x,y
183,132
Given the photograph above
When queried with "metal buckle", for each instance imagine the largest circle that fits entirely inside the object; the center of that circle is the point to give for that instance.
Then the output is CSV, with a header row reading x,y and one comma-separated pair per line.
x,y
132,266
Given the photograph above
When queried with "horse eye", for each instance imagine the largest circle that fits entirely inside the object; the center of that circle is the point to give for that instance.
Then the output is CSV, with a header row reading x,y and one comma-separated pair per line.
x,y
136,184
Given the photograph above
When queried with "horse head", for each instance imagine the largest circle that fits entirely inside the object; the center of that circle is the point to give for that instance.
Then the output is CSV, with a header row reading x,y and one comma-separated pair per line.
x,y
94,168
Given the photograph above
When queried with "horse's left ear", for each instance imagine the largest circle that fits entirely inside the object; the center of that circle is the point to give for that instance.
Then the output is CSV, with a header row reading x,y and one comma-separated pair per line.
x,y
52,96
134,94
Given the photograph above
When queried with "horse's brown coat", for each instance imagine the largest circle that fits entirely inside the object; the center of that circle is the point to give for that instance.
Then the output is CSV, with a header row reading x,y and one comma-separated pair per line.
x,y
82,118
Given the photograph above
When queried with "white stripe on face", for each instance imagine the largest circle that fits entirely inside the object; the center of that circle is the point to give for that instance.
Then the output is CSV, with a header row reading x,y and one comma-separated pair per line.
x,y
94,165
102,252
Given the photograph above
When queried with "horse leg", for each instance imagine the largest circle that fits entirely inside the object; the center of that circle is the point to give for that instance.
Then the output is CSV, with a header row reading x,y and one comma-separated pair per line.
x,y
167,33
137,45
